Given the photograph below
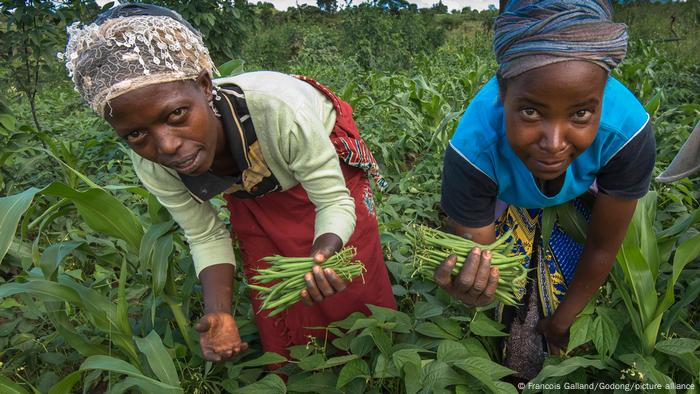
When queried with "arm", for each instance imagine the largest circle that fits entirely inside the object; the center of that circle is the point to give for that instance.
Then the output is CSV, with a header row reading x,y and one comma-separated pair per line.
x,y
314,163
468,198
210,245
622,181
607,229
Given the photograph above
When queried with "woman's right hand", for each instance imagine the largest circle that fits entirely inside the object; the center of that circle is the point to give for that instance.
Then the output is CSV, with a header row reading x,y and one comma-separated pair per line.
x,y
476,283
218,337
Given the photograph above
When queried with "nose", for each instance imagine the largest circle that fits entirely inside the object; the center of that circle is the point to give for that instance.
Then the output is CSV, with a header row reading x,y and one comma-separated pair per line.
x,y
167,141
553,139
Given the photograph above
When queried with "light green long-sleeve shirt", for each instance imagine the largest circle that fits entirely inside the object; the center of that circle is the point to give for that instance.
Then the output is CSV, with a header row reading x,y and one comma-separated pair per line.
x,y
293,121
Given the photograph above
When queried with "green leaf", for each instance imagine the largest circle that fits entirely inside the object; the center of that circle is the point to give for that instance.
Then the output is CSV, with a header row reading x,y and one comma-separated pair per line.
x,y
403,356
266,359
437,375
161,262
53,255
425,310
231,68
605,334
9,387
158,358
451,351
646,365
335,361
102,212
490,368
116,365
323,382
44,288
312,362
412,378
361,345
381,339
432,330
678,346
148,241
270,384
566,367
572,222
579,333
354,369
11,210
65,385
653,104
549,217
483,326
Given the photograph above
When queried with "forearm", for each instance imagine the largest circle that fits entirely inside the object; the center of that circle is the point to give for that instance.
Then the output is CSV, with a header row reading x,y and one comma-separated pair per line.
x,y
593,268
481,235
217,286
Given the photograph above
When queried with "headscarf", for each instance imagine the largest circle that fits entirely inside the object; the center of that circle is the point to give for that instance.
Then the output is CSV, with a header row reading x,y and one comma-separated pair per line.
x,y
531,34
129,47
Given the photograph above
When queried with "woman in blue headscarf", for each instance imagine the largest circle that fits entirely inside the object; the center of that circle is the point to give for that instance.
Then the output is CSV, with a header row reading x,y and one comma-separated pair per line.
x,y
551,128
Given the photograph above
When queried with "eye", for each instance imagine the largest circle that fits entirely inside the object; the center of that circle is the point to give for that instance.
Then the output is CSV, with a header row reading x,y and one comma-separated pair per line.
x,y
529,114
582,116
177,114
135,136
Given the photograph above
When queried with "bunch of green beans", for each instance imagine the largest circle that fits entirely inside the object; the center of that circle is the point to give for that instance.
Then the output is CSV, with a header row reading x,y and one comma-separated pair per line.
x,y
289,273
432,247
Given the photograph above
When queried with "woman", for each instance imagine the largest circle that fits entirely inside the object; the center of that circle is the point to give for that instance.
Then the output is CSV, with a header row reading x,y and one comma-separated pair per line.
x,y
550,126
284,151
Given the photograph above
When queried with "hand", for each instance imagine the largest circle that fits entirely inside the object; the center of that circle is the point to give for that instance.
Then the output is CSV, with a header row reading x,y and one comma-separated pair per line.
x,y
476,283
557,337
325,246
218,337
322,282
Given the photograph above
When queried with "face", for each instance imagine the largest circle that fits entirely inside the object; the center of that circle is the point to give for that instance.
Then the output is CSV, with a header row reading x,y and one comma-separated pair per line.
x,y
169,123
552,114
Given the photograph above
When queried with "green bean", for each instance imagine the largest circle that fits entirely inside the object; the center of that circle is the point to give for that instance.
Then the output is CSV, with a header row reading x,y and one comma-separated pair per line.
x,y
432,247
289,273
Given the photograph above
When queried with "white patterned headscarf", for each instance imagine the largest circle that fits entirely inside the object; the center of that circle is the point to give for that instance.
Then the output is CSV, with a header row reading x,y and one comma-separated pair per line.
x,y
129,47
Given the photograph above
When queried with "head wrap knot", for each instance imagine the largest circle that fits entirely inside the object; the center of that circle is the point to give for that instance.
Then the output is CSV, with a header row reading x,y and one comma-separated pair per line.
x,y
532,34
130,47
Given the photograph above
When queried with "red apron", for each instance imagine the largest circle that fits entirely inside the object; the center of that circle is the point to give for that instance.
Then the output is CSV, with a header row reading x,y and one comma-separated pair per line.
x,y
282,223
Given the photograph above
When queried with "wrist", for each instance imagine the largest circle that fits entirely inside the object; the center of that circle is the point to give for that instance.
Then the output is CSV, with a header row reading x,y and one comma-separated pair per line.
x,y
217,283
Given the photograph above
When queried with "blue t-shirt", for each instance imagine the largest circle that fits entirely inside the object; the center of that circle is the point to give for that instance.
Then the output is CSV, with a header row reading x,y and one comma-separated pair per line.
x,y
480,165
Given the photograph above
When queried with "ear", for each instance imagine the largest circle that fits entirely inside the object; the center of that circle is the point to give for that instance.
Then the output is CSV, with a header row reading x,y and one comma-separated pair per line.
x,y
205,83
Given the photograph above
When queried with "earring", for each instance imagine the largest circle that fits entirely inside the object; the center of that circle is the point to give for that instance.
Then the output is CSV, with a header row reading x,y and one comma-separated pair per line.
x,y
213,108
215,93
214,96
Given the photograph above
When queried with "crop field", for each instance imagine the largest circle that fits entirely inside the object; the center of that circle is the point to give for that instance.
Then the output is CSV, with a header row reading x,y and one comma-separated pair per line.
x,y
98,292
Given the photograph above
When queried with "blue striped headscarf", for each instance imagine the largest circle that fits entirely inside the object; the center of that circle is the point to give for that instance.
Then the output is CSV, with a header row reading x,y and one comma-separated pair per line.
x,y
532,33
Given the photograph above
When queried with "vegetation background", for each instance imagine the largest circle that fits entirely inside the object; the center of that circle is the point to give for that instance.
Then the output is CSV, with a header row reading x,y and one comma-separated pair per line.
x,y
98,292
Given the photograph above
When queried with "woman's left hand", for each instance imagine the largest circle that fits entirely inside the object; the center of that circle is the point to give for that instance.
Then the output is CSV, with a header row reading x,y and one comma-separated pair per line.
x,y
557,337
322,282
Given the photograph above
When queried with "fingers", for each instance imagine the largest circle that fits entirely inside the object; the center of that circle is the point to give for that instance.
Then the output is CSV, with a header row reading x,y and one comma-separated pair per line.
x,y
489,293
312,287
204,325
322,282
217,354
321,256
467,275
443,273
483,274
336,282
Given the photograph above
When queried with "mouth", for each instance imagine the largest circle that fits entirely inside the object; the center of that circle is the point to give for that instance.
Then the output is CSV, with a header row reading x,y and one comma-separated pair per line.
x,y
187,164
550,165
